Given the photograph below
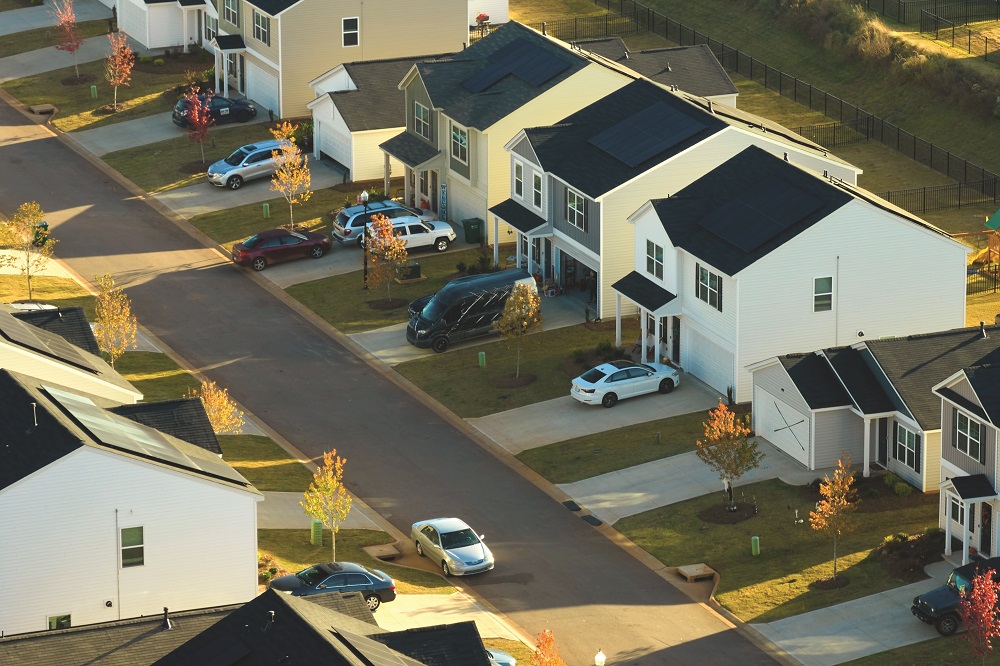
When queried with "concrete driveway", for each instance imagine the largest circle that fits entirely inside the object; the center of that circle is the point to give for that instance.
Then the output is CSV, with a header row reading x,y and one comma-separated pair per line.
x,y
31,18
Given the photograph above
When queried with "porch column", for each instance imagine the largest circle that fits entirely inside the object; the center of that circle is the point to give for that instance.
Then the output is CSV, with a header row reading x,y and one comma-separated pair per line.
x,y
185,16
618,319
225,75
517,243
967,508
387,170
659,332
496,241
947,524
531,255
642,335
868,438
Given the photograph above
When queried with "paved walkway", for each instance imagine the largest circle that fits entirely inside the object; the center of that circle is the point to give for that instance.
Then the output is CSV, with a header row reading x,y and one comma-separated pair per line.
x,y
50,58
31,18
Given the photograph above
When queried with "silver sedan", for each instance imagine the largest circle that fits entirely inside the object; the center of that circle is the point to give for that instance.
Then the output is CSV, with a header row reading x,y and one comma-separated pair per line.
x,y
453,544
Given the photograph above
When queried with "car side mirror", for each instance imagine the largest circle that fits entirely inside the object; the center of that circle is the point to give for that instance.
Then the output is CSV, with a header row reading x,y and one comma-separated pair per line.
x,y
482,537
322,586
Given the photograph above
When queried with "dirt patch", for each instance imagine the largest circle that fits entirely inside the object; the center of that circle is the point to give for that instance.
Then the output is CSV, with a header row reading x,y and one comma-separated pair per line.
x,y
830,583
720,514
510,381
383,304
78,80
105,110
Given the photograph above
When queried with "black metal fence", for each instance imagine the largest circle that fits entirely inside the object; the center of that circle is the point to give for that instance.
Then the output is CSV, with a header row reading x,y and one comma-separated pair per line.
x,y
837,134
972,42
963,13
941,197
983,280
901,11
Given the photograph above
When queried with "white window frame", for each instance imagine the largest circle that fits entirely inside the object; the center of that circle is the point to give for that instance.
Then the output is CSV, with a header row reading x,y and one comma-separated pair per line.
x,y
822,296
261,28
211,27
966,437
69,621
425,183
576,209
131,547
355,30
460,143
536,191
654,259
232,66
957,512
518,180
231,11
906,446
706,291
422,120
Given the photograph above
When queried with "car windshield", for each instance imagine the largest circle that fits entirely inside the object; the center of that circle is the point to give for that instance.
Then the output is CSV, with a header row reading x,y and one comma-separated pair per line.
x,y
593,375
237,158
958,582
311,576
434,309
459,539
342,218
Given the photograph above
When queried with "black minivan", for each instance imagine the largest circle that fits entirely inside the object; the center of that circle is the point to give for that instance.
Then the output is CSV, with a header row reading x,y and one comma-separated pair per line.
x,y
465,308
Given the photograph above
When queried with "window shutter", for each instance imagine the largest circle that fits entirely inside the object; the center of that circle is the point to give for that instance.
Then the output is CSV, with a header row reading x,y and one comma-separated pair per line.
x,y
720,293
566,204
954,428
916,450
895,440
697,276
982,448
586,215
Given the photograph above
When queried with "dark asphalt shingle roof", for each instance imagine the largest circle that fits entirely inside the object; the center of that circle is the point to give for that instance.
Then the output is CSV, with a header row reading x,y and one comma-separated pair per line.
x,y
518,216
273,7
975,486
641,290
440,645
861,383
68,323
443,78
985,381
409,150
378,103
685,214
693,69
230,42
815,380
184,418
963,402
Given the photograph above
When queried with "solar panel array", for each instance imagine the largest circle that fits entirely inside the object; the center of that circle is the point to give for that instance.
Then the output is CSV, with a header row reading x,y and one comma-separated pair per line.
x,y
118,432
759,215
49,344
529,62
647,134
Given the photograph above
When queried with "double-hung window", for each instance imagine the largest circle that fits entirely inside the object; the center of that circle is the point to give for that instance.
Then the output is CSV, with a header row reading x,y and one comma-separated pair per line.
x,y
654,259
968,436
536,189
261,28
132,547
576,210
906,448
709,287
231,11
211,27
519,179
351,31
823,294
460,144
422,120
957,511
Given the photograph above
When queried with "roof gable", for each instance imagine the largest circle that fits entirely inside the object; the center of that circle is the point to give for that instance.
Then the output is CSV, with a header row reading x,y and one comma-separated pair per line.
x,y
273,7
69,323
815,380
184,418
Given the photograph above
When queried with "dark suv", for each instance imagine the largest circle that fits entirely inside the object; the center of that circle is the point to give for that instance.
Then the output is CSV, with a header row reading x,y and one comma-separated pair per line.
x,y
940,606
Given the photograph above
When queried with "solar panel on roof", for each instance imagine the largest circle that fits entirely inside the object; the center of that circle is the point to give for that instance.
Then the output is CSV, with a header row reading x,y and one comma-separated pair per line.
x,y
533,65
43,342
647,134
759,215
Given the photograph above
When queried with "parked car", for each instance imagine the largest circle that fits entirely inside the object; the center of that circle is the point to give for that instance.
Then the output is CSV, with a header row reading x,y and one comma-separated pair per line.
x,y
940,606
417,233
453,544
464,308
376,586
222,109
275,245
350,223
610,382
247,162
500,658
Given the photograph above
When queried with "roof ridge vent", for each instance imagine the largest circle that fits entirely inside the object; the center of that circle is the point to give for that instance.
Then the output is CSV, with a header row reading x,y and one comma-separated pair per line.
x,y
166,624
982,329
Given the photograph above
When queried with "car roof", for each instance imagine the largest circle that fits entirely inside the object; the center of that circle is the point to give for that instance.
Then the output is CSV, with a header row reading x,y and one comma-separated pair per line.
x,y
271,233
446,524
269,144
618,364
372,205
972,568
343,567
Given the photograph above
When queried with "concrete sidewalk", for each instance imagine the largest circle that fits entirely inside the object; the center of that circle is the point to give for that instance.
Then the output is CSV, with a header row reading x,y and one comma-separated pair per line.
x,y
50,58
32,18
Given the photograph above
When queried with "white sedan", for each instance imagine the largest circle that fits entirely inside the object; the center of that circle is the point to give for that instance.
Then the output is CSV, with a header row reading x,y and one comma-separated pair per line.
x,y
453,545
616,380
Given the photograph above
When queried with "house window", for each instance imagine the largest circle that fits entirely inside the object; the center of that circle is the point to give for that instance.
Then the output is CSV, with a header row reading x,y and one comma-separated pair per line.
x,y
654,259
211,27
423,183
957,511
519,179
231,11
709,288
352,36
967,437
823,294
460,144
536,186
132,548
906,447
261,28
60,622
422,120
231,65
576,210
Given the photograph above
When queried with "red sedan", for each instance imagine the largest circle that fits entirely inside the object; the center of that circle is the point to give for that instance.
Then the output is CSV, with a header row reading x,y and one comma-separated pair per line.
x,y
269,247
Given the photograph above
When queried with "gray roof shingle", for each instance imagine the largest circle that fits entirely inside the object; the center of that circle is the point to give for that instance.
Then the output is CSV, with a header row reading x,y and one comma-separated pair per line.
x,y
985,381
640,289
815,380
409,150
273,7
68,323
518,216
184,418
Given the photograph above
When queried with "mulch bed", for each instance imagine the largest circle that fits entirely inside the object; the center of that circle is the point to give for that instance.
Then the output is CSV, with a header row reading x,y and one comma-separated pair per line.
x,y
383,304
907,560
510,381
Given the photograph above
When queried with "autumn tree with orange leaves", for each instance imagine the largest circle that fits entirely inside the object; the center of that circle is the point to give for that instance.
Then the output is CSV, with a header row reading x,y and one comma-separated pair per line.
x,y
291,178
522,314
225,417
199,119
118,65
386,253
546,651
833,512
70,39
978,610
726,449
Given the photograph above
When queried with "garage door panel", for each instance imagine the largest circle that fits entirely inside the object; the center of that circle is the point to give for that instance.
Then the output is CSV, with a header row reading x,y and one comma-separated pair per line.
x,y
262,87
782,425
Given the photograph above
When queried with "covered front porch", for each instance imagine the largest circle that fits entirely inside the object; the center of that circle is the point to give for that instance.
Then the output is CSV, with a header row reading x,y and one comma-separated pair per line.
x,y
423,165
968,503
659,315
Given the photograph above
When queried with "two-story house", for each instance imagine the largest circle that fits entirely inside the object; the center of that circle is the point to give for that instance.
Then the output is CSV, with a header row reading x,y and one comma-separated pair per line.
x,y
460,111
572,185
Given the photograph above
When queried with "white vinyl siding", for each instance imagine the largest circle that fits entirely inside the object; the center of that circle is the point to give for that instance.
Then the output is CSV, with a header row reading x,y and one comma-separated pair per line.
x,y
785,426
52,371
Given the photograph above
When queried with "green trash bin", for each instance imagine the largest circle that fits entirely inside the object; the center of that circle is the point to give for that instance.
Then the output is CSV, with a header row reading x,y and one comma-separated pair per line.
x,y
473,230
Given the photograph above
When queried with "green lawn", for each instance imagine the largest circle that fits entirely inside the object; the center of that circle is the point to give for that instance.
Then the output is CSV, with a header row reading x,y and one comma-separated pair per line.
x,y
292,550
177,162
148,94
7,5
939,651
62,292
264,464
456,380
775,584
156,375
591,455
40,38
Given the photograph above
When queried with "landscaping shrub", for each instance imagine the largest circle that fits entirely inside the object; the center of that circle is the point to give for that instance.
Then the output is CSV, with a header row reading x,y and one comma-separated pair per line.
x,y
872,493
158,62
268,569
461,267
891,480
604,350
933,531
579,356
903,489
146,60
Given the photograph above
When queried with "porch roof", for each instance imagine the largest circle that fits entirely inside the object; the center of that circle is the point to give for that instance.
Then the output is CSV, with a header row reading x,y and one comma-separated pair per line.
x,y
518,216
409,150
815,380
647,294
191,3
973,488
230,42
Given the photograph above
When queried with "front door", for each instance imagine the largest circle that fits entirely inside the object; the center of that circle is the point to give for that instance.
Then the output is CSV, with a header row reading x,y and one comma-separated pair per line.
x,y
675,333
242,83
883,442
986,523
434,189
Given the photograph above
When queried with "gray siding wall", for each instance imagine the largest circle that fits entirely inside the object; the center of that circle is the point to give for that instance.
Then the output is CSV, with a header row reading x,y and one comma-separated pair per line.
x,y
951,453
523,149
415,92
836,431
590,239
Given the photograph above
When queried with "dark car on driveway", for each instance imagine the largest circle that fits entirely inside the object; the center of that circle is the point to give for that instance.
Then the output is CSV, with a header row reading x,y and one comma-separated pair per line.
x,y
940,606
270,247
376,586
222,109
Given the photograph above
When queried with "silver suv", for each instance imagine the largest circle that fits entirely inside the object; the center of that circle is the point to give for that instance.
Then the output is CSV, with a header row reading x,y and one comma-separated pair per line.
x,y
418,233
350,223
246,163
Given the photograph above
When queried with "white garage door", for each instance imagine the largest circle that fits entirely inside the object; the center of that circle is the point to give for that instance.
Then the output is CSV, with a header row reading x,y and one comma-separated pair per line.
x,y
262,88
335,142
782,425
706,360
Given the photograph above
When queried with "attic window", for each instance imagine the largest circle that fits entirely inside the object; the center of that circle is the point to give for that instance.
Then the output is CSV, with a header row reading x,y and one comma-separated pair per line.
x,y
422,120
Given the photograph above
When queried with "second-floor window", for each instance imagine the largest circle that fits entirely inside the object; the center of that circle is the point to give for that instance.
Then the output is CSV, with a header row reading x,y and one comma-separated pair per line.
x,y
654,259
132,547
261,28
907,448
709,287
519,179
352,35
536,191
823,294
968,435
211,27
576,210
231,11
422,120
460,144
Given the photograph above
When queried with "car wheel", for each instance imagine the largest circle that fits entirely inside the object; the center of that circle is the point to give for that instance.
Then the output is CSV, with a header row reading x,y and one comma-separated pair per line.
x,y
609,400
373,602
361,241
441,244
947,624
445,569
317,251
234,182
242,116
420,549
259,264
440,344
666,386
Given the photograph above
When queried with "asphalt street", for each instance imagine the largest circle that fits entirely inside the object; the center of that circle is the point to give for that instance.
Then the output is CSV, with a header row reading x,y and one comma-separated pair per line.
x,y
554,570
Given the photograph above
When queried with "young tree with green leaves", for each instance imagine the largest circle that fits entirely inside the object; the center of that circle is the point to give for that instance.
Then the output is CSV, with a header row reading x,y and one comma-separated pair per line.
x,y
522,315
833,513
115,325
385,253
978,610
726,449
327,499
291,178
26,234
223,414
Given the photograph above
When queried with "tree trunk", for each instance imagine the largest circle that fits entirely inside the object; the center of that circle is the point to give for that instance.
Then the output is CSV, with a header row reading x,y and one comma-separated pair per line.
x,y
27,274
201,144
291,217
834,556
333,545
517,365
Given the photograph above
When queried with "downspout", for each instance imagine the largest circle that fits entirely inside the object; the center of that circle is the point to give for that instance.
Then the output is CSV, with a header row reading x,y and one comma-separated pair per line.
x,y
836,306
118,569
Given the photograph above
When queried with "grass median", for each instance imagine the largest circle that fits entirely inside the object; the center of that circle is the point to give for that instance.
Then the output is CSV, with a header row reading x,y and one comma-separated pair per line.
x,y
41,38
264,464
62,292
